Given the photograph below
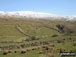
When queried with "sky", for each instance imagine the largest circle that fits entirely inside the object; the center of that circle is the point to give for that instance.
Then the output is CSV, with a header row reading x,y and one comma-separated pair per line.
x,y
60,7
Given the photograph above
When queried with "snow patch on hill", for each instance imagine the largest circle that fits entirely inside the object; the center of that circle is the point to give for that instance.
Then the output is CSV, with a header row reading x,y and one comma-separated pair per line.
x,y
30,14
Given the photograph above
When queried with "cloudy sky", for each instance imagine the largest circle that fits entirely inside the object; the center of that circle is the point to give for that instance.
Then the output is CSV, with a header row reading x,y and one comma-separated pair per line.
x,y
60,7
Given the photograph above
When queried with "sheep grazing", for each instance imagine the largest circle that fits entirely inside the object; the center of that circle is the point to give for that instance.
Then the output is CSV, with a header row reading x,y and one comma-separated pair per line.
x,y
60,50
57,50
23,52
74,44
35,48
10,51
15,51
29,49
38,47
50,49
44,46
5,52
41,52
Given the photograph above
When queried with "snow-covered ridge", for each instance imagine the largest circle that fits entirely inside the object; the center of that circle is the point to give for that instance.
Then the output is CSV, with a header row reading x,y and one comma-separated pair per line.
x,y
30,14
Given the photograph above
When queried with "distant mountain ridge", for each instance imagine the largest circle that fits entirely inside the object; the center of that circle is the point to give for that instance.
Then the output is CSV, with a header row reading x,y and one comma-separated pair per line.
x,y
30,14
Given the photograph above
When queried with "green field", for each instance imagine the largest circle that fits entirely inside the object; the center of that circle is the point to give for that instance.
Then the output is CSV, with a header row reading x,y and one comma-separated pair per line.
x,y
16,32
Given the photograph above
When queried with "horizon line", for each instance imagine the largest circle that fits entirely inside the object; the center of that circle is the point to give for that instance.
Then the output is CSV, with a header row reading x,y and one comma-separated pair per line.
x,y
39,12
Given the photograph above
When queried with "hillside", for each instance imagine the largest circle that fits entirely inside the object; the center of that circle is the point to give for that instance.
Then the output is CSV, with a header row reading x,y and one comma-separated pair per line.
x,y
19,34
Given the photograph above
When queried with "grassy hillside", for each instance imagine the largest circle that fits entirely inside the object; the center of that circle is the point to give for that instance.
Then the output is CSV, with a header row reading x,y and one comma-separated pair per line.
x,y
15,32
